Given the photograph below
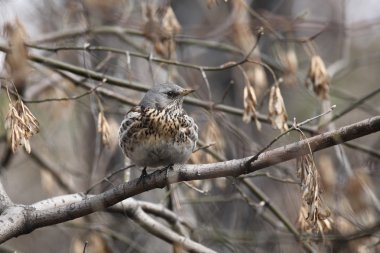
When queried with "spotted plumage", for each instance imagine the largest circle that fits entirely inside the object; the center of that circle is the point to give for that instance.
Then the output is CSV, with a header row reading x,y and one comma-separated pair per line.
x,y
158,132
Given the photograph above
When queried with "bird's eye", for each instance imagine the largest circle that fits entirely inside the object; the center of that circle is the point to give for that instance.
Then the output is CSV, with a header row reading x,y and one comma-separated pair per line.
x,y
171,94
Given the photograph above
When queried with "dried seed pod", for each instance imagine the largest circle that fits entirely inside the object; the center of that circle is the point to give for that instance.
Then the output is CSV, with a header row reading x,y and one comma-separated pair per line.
x,y
160,29
22,125
16,58
318,77
250,103
289,62
212,135
104,129
245,38
276,109
314,215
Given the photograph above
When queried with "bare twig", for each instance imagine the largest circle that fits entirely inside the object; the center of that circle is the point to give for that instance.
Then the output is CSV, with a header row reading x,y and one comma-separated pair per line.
x,y
191,186
63,98
295,126
269,175
351,107
107,177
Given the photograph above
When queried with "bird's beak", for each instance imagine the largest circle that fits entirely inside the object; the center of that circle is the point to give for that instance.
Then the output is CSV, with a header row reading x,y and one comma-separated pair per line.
x,y
186,92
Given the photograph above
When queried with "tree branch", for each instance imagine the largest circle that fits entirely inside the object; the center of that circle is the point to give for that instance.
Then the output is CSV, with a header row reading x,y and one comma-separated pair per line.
x,y
59,65
27,218
151,225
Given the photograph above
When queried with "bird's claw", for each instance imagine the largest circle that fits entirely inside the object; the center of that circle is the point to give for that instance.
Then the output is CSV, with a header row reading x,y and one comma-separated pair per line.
x,y
143,175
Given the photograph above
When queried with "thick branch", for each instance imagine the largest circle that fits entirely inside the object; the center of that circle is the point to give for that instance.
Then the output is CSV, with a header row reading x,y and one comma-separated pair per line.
x,y
137,211
159,230
35,217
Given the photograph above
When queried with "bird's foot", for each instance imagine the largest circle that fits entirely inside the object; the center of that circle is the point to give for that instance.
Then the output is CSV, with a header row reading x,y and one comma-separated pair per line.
x,y
142,176
166,170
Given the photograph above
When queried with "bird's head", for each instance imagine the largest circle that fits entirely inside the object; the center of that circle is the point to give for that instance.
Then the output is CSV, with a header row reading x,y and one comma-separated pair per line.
x,y
165,96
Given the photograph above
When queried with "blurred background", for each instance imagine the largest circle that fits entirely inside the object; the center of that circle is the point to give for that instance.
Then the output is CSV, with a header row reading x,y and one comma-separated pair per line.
x,y
312,55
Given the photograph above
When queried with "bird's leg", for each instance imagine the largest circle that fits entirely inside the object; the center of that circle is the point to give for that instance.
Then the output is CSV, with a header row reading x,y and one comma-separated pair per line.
x,y
166,169
143,175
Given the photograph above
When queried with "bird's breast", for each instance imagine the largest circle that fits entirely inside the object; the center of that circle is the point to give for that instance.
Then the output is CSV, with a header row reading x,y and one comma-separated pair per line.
x,y
158,137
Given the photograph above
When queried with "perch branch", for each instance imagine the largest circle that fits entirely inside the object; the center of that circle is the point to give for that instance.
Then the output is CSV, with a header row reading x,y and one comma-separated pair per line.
x,y
25,219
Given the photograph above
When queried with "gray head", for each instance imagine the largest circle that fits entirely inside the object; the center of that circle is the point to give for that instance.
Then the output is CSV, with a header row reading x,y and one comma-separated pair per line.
x,y
164,95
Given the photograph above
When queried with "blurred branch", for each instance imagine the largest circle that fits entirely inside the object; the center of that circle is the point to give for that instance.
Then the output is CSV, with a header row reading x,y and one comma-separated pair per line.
x,y
161,211
109,232
63,98
261,19
23,219
351,107
53,172
259,208
364,149
269,175
363,232
7,156
342,94
136,210
159,230
107,177
5,201
206,105
55,64
276,211
149,57
75,32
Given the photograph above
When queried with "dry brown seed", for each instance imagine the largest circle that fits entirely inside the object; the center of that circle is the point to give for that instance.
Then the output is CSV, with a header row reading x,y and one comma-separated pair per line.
x,y
22,125
276,109
16,58
249,103
318,77
104,128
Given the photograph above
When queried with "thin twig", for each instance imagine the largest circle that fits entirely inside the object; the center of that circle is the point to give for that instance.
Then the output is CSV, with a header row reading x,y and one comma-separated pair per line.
x,y
191,186
269,175
295,126
107,177
204,147
351,107
90,91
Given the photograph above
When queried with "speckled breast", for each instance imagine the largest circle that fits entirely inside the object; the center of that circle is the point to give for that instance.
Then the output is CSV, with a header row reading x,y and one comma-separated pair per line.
x,y
153,138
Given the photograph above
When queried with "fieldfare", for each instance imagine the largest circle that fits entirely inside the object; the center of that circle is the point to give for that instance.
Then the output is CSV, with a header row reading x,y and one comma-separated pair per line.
x,y
158,132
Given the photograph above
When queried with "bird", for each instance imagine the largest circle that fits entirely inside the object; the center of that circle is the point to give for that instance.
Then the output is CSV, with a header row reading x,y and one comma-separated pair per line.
x,y
158,132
